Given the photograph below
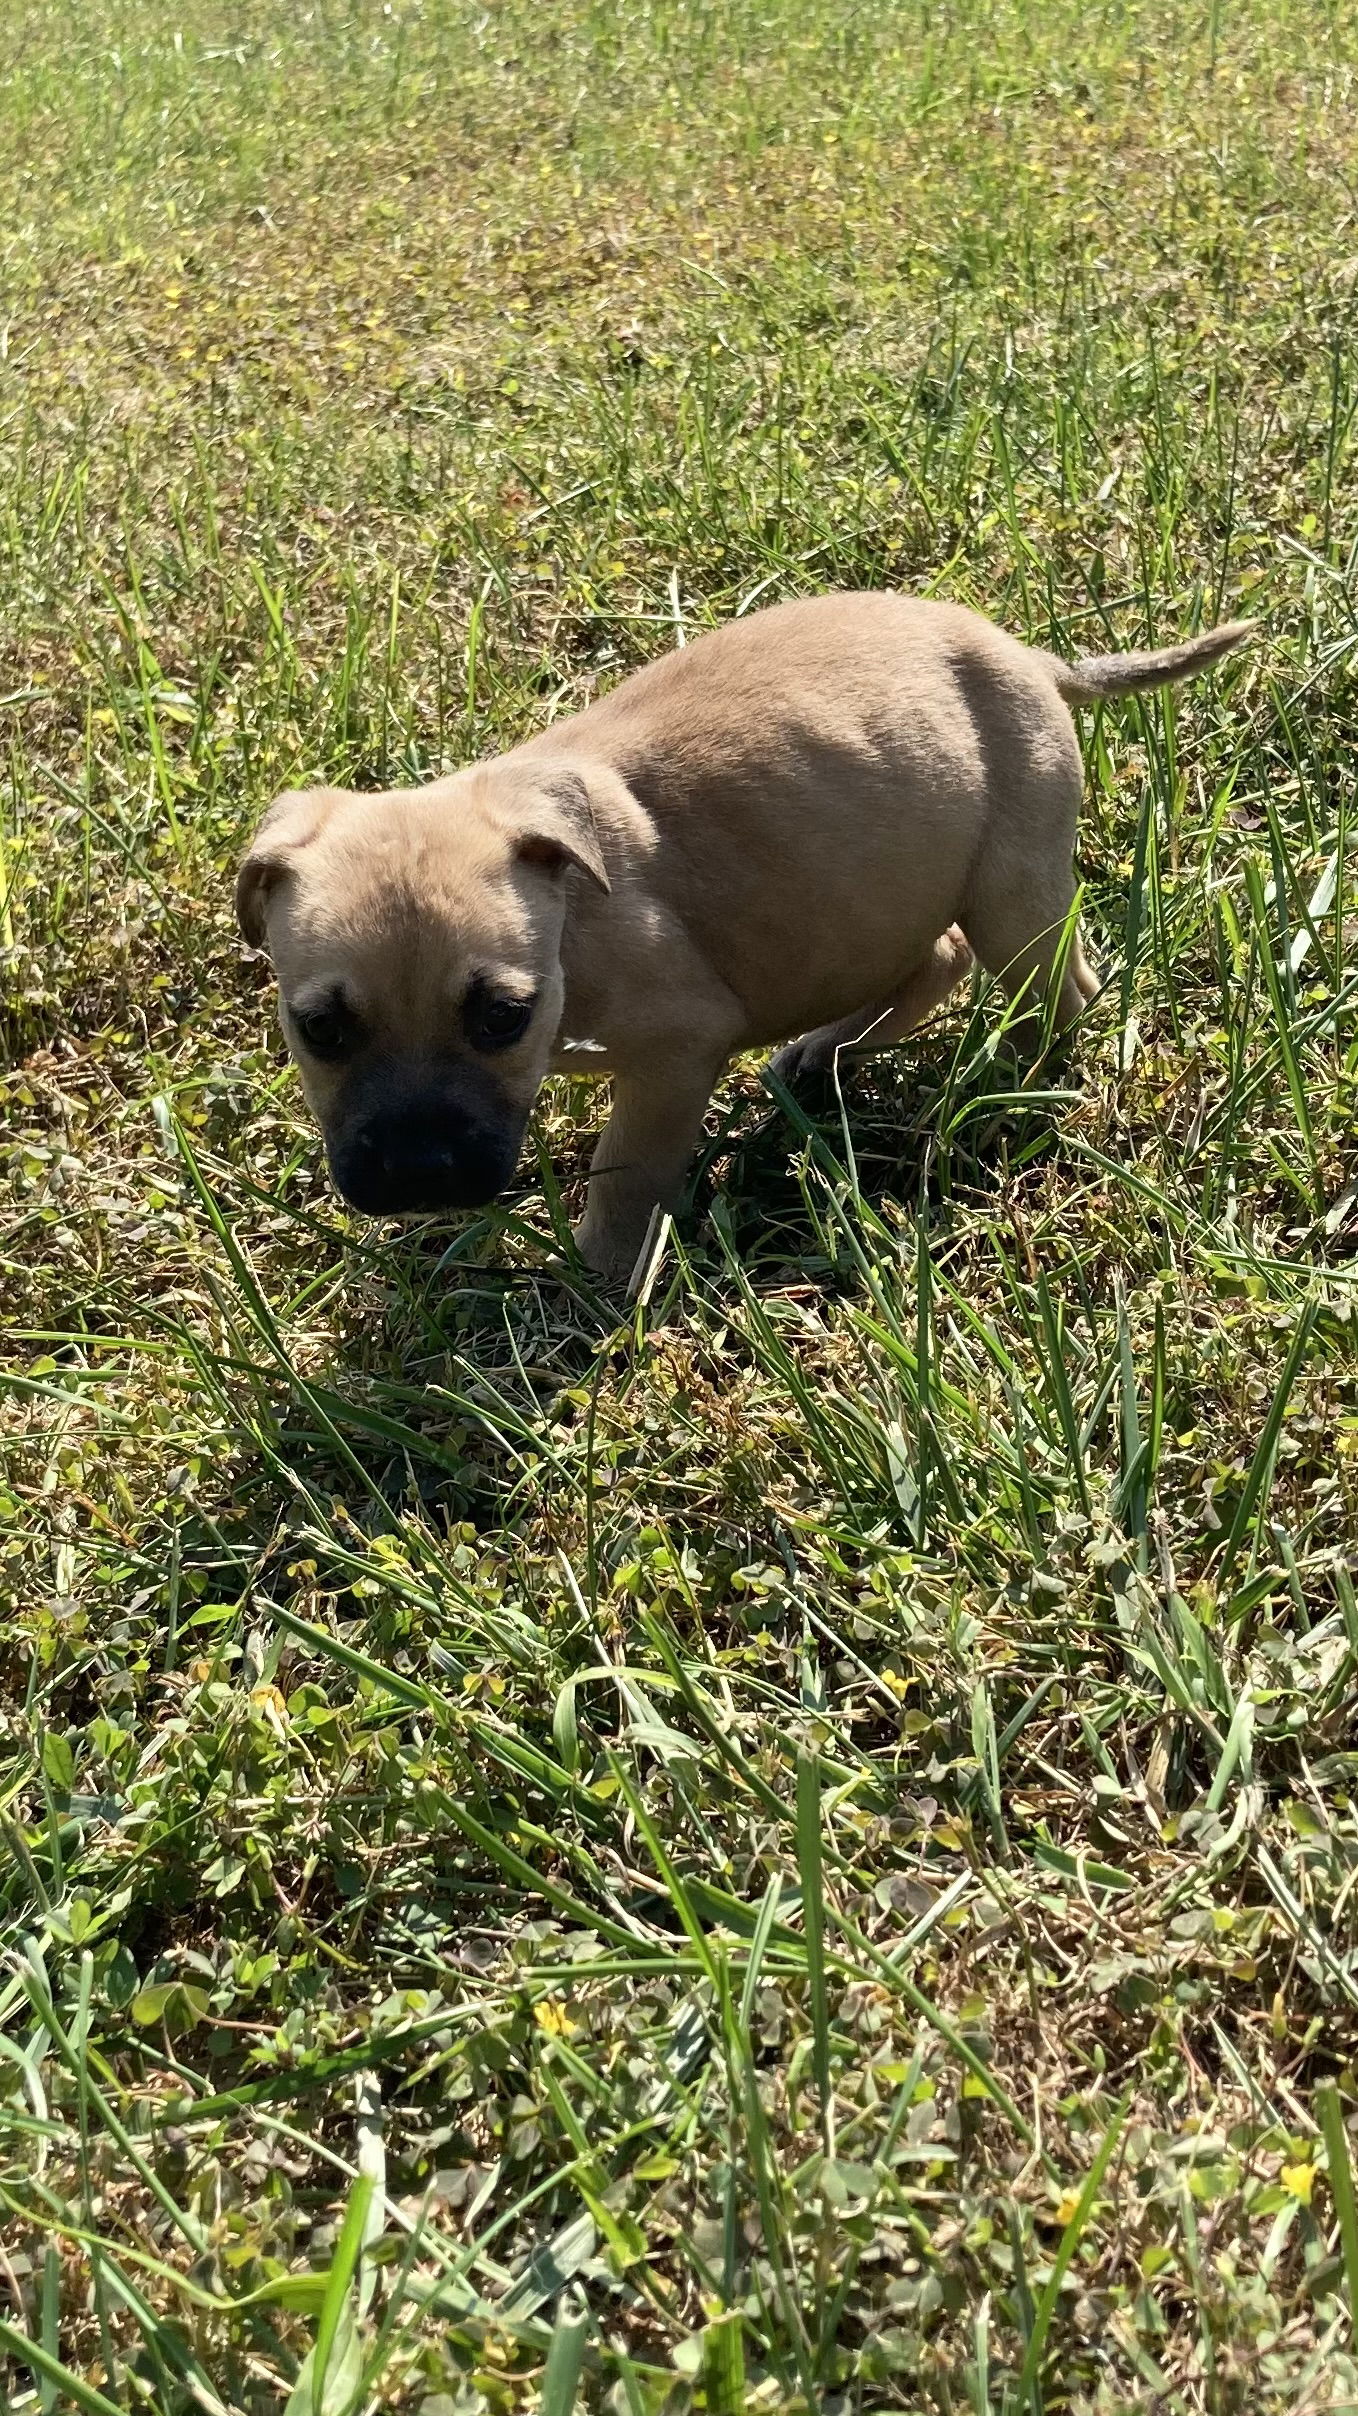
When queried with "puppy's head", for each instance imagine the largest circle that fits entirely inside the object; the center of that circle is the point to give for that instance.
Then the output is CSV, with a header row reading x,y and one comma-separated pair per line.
x,y
416,938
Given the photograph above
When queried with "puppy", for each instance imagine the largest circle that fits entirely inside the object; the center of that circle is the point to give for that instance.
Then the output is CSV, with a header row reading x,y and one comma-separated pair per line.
x,y
761,835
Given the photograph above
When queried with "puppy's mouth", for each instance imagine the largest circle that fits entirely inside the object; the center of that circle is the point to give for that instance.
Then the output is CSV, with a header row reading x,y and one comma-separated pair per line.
x,y
410,1165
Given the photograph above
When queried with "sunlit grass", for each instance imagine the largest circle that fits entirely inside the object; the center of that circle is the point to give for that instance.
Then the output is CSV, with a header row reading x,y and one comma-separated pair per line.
x,y
794,1847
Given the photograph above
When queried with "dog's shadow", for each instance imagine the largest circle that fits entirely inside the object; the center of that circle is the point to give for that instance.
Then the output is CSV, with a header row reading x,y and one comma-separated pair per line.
x,y
793,1171
461,1357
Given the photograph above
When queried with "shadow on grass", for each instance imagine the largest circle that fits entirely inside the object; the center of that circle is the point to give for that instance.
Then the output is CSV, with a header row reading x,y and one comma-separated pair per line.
x,y
454,1374
890,1138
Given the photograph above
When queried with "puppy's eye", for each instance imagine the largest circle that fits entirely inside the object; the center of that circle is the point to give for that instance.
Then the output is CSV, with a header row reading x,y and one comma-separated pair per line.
x,y
326,1031
493,1019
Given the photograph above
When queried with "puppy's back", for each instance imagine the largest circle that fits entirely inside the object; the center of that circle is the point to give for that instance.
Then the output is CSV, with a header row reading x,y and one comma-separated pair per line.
x,y
817,779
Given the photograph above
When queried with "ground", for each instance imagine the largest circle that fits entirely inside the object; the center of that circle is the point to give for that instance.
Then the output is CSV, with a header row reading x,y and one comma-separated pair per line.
x,y
792,1845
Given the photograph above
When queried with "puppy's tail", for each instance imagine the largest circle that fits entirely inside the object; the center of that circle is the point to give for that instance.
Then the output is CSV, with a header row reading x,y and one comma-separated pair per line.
x,y
1096,676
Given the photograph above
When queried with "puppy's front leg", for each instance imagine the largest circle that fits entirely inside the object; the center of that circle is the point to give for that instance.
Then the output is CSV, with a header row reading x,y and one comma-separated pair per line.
x,y
642,1158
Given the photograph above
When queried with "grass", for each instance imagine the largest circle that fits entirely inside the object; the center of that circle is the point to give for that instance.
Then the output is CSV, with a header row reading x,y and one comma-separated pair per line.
x,y
795,1848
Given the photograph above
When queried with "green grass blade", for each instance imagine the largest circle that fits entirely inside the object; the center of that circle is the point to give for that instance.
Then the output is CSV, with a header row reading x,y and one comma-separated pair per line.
x,y
1254,1493
1339,2166
49,2369
566,2356
336,2305
723,2364
1028,2384
811,1868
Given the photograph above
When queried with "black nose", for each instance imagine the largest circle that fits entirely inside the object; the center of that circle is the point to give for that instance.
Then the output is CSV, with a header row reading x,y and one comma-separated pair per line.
x,y
401,1165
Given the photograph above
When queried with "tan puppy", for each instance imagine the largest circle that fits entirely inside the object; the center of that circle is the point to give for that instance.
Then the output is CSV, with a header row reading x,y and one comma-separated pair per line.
x,y
761,834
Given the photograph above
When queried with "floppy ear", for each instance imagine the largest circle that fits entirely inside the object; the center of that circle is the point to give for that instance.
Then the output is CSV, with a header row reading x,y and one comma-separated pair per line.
x,y
292,820
557,828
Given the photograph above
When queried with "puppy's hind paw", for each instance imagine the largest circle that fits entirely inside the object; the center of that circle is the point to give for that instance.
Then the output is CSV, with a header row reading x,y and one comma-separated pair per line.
x,y
953,958
798,1059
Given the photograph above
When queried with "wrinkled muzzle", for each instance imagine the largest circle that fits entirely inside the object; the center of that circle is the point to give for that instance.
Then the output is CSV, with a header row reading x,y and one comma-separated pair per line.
x,y
402,1146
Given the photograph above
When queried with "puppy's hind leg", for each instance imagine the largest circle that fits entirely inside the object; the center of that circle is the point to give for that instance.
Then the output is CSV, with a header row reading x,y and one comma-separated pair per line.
x,y
1022,890
884,1026
1018,916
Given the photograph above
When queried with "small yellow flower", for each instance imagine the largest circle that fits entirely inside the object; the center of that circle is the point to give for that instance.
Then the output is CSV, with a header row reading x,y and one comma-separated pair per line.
x,y
268,1705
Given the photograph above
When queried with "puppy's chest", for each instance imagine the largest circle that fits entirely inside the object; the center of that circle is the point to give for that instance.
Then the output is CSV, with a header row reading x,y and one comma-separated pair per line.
x,y
590,1014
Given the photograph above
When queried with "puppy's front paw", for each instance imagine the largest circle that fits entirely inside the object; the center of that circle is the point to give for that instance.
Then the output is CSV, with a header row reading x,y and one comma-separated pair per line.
x,y
611,1246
